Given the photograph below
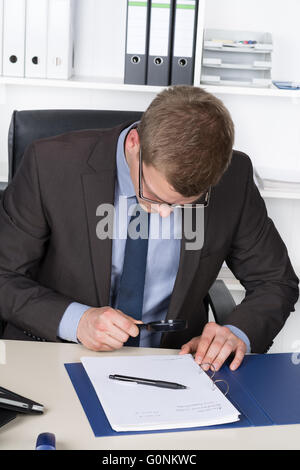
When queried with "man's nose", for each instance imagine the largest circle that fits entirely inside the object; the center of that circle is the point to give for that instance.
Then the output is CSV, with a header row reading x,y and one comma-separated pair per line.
x,y
164,210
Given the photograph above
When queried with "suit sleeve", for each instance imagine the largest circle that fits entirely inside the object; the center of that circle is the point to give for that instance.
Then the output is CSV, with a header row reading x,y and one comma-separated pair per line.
x,y
259,259
24,235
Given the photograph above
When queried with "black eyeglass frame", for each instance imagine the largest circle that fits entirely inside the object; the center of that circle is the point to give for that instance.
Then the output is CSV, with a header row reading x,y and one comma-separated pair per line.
x,y
173,206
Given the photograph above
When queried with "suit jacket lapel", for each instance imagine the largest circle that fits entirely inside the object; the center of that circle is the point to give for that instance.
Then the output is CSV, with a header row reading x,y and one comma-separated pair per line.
x,y
190,261
99,188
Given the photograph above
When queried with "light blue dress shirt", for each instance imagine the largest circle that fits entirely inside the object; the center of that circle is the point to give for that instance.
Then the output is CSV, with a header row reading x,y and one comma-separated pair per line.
x,y
162,260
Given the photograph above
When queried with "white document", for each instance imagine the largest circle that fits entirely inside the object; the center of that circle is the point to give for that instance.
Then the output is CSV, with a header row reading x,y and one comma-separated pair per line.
x,y
136,407
60,39
288,175
14,38
36,38
279,179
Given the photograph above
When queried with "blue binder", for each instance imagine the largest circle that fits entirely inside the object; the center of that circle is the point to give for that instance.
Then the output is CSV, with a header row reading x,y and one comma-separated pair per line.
x,y
265,389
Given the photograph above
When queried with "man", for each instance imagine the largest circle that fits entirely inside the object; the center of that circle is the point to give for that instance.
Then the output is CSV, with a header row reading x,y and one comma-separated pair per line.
x,y
62,278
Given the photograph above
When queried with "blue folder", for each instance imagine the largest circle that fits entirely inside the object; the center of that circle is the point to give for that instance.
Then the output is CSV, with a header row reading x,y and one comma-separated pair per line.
x,y
265,390
287,85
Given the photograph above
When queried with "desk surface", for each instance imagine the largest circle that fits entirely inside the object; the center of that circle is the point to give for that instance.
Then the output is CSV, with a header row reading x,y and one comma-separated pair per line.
x,y
36,370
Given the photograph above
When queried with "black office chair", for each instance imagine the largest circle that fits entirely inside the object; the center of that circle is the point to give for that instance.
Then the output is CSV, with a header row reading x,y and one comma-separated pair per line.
x,y
27,126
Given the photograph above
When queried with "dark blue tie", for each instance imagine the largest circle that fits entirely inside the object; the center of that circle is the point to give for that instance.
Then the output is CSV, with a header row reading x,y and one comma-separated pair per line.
x,y
131,290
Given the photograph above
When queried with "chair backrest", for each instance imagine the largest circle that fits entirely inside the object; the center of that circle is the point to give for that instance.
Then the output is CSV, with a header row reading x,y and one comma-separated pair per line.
x,y
27,126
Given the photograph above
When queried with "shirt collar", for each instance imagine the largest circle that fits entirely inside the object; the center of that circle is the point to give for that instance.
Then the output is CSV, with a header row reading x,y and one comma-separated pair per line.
x,y
126,187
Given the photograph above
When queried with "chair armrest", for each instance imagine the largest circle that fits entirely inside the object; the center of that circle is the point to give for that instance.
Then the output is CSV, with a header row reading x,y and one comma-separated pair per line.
x,y
220,301
3,185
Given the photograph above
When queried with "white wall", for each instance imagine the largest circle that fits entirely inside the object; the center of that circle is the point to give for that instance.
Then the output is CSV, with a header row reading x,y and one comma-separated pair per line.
x,y
267,128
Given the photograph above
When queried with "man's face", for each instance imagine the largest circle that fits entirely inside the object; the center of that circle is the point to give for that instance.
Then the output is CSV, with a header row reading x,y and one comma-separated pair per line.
x,y
154,184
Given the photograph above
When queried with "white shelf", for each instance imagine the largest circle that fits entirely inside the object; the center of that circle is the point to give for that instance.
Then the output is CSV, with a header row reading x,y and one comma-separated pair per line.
x,y
279,195
249,50
90,83
248,91
116,84
237,66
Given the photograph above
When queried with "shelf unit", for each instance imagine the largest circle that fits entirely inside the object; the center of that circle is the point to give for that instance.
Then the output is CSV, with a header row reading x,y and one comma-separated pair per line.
x,y
232,65
113,84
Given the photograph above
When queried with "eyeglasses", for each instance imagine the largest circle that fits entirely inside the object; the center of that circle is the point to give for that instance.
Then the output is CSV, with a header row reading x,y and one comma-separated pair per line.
x,y
205,197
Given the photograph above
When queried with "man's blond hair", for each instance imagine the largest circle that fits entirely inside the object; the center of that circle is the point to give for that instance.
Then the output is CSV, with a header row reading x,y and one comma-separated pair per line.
x,y
187,134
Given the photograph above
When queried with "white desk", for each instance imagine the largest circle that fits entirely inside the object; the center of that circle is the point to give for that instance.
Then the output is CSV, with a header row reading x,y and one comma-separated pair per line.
x,y
36,370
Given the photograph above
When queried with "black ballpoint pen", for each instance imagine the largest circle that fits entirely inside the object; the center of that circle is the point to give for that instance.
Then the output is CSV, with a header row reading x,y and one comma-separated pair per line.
x,y
154,383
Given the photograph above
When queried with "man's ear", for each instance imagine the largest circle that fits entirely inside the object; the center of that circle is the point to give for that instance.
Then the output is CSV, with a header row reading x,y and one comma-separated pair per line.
x,y
132,142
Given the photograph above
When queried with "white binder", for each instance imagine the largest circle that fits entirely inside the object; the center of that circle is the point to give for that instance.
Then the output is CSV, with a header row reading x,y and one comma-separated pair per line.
x,y
60,39
14,38
1,35
36,38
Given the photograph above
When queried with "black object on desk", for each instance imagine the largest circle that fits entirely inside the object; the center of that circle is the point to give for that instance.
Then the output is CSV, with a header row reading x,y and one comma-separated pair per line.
x,y
164,325
12,401
152,382
6,416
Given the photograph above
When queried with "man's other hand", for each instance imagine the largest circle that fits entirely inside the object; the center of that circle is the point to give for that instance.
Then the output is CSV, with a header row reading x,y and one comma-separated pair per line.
x,y
214,346
105,329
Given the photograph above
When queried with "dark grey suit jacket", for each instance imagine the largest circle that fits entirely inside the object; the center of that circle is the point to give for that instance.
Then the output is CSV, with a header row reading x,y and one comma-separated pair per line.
x,y
50,255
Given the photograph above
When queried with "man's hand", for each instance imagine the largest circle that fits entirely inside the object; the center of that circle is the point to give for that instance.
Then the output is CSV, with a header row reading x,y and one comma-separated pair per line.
x,y
105,329
214,346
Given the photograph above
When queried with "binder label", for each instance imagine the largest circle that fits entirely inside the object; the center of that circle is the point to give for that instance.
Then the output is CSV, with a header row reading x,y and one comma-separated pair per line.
x,y
136,27
184,28
159,31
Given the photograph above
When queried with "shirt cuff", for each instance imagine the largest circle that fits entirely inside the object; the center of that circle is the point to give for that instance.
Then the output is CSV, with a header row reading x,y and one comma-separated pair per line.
x,y
240,334
67,328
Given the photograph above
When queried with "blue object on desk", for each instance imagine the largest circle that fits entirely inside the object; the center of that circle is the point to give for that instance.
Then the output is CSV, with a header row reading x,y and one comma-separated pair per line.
x,y
287,85
265,389
45,441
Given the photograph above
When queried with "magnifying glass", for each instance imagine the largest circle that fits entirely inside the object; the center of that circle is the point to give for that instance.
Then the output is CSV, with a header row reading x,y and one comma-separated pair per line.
x,y
164,325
